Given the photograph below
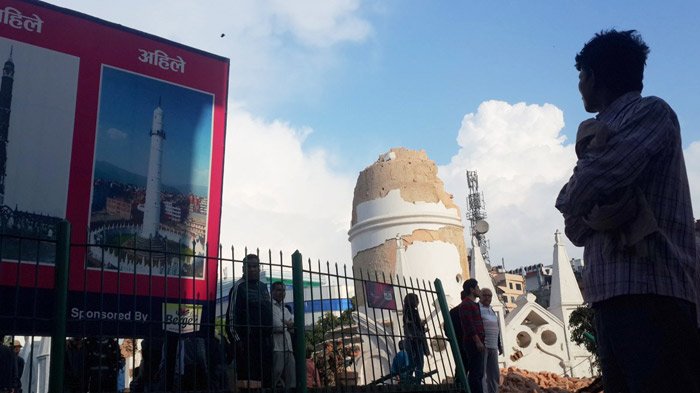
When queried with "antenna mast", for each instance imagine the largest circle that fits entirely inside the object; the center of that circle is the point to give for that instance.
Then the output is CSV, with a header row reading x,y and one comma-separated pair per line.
x,y
476,212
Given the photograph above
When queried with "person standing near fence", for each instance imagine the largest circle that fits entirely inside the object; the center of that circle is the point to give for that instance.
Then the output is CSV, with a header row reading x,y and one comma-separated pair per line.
x,y
103,356
473,335
457,324
17,347
415,342
400,365
249,324
8,368
74,371
329,362
492,342
147,378
283,367
313,380
643,288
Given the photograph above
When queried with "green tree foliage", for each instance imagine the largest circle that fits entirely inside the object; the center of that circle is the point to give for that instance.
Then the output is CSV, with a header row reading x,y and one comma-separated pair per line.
x,y
583,330
328,322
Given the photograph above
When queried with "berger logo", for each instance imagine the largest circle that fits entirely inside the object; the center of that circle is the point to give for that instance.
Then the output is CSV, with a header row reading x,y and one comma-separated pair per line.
x,y
13,17
182,318
388,295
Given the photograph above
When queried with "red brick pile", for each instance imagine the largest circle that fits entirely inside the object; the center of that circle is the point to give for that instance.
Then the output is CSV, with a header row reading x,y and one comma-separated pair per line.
x,y
514,380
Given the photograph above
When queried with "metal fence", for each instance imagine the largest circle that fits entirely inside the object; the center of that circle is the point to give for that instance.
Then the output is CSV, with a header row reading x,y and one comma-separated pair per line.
x,y
121,313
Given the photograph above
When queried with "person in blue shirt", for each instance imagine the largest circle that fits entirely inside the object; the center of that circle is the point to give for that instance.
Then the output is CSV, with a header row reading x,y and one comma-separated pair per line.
x,y
401,365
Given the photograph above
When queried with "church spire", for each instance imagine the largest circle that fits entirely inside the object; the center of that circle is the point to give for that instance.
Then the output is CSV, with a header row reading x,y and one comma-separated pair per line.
x,y
478,271
565,294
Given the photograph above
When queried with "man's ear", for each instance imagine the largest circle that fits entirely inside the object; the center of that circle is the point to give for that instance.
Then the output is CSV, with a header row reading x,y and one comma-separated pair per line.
x,y
592,80
589,77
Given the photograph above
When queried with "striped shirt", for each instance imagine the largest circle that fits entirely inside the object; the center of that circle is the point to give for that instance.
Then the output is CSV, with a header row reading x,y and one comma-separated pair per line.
x,y
644,150
491,330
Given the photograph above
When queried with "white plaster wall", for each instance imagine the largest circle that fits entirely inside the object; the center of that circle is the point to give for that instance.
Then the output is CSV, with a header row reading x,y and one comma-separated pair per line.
x,y
430,260
384,218
538,355
582,366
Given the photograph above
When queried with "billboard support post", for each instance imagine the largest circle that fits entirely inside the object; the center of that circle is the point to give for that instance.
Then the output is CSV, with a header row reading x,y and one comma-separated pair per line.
x,y
300,358
58,338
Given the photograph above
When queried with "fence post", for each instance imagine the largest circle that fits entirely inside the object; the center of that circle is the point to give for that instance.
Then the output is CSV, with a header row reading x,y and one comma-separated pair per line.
x,y
58,338
450,330
299,324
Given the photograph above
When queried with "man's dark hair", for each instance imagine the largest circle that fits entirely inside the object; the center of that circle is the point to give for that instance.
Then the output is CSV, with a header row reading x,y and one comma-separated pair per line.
x,y
469,285
617,59
251,258
401,345
277,284
463,294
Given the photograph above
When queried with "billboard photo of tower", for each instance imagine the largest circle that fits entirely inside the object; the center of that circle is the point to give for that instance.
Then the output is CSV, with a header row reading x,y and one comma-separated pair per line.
x,y
151,176
37,116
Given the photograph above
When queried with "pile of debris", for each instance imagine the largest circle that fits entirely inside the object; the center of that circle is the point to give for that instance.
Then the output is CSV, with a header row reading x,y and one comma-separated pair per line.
x,y
515,380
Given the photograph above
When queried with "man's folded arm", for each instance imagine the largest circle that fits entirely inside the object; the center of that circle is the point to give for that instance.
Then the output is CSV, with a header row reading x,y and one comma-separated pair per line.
x,y
618,166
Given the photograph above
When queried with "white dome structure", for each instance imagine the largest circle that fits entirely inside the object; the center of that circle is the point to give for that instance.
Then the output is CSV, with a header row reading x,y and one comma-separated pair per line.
x,y
405,224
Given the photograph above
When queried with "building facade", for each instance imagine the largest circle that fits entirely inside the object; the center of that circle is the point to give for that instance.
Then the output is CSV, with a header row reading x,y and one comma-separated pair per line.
x,y
118,209
509,287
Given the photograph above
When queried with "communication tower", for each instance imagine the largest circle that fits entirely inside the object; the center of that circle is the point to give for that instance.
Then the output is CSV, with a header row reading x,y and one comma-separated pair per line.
x,y
476,214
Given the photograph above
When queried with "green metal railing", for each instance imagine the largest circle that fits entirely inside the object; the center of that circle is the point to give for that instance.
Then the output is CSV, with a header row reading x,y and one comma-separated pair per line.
x,y
58,338
363,339
299,323
454,344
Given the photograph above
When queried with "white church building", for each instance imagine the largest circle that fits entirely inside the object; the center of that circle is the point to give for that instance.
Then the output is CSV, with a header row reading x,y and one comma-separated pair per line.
x,y
541,336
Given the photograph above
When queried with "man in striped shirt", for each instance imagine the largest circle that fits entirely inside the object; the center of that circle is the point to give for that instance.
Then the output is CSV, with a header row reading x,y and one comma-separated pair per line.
x,y
644,296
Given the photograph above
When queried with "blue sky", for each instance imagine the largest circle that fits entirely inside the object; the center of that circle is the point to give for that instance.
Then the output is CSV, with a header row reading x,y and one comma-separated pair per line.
x,y
319,89
429,63
127,102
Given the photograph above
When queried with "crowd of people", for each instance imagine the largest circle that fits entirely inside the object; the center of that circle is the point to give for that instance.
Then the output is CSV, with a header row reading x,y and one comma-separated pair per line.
x,y
168,363
259,330
478,336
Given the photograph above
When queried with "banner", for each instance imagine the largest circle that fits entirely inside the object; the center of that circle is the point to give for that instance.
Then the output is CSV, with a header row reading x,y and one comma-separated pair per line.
x,y
380,295
122,134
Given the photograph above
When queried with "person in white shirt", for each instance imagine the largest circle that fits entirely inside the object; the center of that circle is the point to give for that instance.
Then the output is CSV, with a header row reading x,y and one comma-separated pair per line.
x,y
492,342
283,368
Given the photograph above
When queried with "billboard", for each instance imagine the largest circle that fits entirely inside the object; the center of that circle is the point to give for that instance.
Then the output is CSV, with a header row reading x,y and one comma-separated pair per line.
x,y
122,134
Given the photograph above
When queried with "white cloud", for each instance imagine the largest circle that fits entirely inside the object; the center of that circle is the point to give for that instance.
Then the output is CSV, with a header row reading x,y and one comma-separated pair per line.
x,y
277,48
522,162
692,164
278,195
322,23
116,134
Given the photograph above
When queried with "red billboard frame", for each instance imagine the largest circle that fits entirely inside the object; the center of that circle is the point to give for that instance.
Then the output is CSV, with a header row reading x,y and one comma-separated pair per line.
x,y
96,43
